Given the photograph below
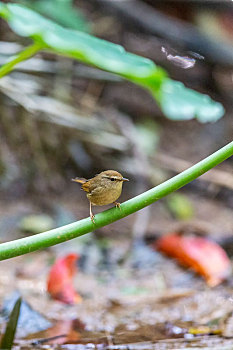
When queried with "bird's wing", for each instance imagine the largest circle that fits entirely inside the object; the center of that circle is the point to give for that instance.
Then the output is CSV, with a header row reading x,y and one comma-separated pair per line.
x,y
93,186
85,186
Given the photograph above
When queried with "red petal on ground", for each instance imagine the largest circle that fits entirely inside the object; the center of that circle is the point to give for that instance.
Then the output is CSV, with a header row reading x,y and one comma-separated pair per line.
x,y
204,256
60,280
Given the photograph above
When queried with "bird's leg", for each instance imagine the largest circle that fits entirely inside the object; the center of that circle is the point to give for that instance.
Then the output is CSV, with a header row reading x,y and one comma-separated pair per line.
x,y
92,216
118,205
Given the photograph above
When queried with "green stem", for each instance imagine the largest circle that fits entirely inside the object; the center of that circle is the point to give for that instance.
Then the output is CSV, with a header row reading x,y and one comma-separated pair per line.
x,y
79,228
22,56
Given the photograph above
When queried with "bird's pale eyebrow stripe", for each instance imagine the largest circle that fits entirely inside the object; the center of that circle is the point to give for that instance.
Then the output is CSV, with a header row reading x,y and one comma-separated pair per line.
x,y
113,177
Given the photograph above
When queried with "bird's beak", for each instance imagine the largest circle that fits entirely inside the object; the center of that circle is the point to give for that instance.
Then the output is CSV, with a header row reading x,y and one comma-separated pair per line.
x,y
124,179
75,180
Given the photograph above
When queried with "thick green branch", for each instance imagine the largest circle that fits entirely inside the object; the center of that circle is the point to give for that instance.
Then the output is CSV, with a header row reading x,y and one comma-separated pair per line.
x,y
22,56
79,228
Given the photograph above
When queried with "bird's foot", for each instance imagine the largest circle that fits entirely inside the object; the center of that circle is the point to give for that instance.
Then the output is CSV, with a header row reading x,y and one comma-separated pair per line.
x,y
92,218
91,215
118,205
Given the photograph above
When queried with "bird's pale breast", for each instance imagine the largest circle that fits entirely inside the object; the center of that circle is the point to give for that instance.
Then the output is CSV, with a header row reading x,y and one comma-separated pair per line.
x,y
104,196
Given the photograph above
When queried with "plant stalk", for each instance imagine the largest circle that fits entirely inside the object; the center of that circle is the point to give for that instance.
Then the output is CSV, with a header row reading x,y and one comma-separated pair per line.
x,y
22,56
58,235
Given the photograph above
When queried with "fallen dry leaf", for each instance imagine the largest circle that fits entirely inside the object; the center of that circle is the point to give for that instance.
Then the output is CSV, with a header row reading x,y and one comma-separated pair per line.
x,y
60,280
204,256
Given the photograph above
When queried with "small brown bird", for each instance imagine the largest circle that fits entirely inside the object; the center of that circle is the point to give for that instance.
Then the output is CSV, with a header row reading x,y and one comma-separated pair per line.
x,y
104,188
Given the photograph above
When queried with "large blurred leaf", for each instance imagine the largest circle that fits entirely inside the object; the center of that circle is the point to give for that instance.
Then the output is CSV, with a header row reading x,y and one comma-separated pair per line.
x,y
61,11
177,102
181,103
87,48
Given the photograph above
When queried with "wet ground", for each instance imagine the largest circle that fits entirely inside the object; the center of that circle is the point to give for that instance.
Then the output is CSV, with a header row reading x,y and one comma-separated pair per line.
x,y
133,297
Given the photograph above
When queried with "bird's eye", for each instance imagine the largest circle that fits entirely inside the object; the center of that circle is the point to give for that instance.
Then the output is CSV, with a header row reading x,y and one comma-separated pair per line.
x,y
112,179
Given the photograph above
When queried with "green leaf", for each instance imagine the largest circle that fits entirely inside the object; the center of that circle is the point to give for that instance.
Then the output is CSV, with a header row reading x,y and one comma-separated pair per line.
x,y
82,46
180,206
36,223
181,103
176,101
9,335
61,11
3,11
147,135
